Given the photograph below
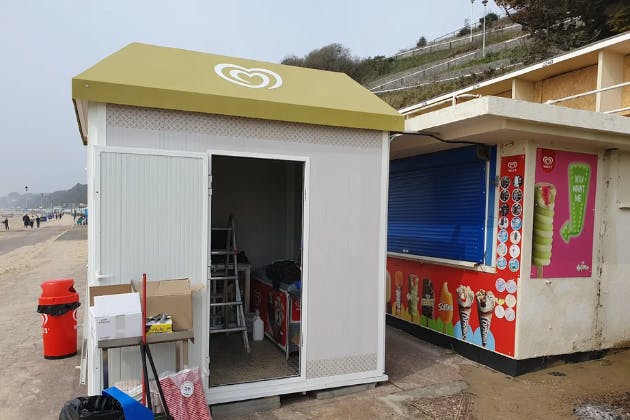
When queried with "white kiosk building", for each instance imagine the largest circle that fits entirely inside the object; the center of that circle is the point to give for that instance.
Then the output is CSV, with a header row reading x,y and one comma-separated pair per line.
x,y
178,141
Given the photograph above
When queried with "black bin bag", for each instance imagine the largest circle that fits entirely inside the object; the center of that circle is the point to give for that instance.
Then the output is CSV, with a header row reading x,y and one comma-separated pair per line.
x,y
98,407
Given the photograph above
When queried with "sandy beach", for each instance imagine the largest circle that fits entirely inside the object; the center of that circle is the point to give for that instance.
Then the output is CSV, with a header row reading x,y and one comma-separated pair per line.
x,y
30,386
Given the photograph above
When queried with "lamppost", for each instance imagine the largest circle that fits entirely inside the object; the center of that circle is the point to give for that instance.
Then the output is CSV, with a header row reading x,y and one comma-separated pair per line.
x,y
471,20
25,192
49,200
483,48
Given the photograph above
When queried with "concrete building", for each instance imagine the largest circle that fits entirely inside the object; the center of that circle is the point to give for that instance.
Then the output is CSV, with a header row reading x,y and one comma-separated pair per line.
x,y
509,209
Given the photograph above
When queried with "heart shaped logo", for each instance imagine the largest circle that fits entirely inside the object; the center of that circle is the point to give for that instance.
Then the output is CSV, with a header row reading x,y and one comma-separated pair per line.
x,y
255,78
512,166
547,160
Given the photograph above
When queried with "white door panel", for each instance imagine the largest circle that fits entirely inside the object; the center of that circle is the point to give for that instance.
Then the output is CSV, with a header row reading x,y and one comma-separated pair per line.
x,y
151,217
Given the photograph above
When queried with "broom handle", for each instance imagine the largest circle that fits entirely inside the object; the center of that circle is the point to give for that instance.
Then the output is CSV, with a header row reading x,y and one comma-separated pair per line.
x,y
157,381
145,378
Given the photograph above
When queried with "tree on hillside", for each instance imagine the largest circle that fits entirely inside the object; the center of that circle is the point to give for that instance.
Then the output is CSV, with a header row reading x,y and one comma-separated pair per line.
x,y
293,60
422,42
565,24
336,57
491,19
620,19
333,57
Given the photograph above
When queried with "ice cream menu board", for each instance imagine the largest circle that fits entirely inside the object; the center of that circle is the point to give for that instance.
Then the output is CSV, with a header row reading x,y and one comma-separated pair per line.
x,y
564,211
510,217
465,304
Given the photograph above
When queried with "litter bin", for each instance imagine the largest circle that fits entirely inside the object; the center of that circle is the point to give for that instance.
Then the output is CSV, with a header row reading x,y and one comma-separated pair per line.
x,y
58,307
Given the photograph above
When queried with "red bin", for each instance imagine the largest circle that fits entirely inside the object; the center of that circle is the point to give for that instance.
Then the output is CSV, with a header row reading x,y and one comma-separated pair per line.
x,y
58,307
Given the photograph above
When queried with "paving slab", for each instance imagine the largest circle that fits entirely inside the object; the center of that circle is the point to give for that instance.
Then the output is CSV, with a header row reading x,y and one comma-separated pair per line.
x,y
412,363
12,240
76,233
325,394
220,411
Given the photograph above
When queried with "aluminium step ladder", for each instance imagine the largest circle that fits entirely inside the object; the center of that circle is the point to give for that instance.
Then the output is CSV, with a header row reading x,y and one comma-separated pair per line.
x,y
226,304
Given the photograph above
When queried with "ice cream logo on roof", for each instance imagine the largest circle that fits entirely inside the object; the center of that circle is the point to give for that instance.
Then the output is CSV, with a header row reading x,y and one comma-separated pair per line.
x,y
255,78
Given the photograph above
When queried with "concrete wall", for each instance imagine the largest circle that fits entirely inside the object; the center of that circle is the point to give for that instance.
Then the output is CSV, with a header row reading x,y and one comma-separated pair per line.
x,y
615,264
568,315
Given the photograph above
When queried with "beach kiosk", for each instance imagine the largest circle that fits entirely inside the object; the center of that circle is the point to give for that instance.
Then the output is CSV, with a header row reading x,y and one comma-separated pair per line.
x,y
180,142
509,210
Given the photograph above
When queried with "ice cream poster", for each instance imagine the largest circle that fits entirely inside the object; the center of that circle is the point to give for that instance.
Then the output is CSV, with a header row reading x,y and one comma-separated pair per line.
x,y
564,211
476,307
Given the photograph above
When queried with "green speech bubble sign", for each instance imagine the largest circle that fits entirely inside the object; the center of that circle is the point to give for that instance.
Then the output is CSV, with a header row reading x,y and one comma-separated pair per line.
x,y
579,179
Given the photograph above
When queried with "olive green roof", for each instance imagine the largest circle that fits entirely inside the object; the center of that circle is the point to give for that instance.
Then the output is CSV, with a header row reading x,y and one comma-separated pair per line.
x,y
169,78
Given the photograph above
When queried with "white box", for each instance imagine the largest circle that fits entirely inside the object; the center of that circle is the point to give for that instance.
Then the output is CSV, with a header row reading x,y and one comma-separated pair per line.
x,y
116,316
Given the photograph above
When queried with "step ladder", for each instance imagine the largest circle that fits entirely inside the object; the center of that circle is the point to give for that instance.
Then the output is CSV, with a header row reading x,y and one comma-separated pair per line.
x,y
226,305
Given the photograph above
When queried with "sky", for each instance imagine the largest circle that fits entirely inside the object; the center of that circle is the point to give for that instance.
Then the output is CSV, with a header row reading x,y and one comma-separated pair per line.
x,y
43,44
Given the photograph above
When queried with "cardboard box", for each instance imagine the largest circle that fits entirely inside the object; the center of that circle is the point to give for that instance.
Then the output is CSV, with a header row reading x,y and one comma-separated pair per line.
x,y
115,315
113,289
172,297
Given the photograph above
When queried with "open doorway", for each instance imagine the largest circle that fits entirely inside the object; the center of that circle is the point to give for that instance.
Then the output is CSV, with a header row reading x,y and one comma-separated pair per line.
x,y
256,211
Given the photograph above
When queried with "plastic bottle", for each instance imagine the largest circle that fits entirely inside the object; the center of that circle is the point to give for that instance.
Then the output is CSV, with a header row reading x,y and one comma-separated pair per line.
x,y
258,329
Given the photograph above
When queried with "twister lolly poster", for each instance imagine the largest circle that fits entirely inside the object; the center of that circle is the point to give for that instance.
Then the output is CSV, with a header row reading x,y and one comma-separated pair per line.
x,y
564,212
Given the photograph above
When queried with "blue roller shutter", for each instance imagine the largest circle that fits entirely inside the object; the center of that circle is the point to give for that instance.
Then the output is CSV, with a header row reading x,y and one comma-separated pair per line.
x,y
437,205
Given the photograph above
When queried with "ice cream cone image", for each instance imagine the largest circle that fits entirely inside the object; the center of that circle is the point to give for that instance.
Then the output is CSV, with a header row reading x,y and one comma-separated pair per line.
x,y
388,298
445,306
465,300
412,298
485,307
427,302
398,279
544,203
